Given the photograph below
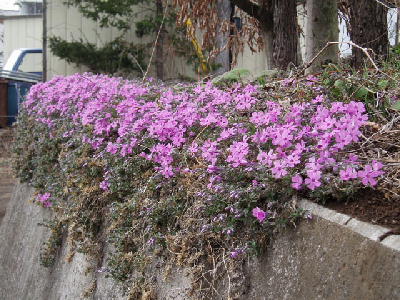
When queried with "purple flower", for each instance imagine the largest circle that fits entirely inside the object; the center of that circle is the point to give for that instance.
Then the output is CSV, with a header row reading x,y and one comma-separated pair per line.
x,y
266,158
234,254
210,151
297,181
313,179
44,199
279,169
105,185
259,214
238,152
370,172
318,99
348,173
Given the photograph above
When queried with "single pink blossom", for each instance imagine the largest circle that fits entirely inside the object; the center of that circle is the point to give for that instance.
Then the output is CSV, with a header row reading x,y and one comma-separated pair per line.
x,y
259,214
297,181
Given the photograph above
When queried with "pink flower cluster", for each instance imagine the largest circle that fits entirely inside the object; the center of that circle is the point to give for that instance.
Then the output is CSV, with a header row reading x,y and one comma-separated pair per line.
x,y
234,129
44,199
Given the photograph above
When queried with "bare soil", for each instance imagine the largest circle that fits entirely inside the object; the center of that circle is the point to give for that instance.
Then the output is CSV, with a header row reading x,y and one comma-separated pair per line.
x,y
371,206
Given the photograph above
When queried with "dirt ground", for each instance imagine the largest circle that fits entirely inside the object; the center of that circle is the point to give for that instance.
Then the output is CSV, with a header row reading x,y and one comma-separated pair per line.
x,y
373,207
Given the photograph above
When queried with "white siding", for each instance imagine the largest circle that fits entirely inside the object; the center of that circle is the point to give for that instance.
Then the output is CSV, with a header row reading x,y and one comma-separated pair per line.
x,y
69,24
22,33
1,44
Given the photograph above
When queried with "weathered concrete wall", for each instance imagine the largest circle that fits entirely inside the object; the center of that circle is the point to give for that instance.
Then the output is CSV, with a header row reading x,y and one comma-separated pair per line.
x,y
330,257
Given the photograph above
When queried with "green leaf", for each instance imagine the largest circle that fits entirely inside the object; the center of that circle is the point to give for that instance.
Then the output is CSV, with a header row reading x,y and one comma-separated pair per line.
x,y
383,84
340,84
396,106
361,93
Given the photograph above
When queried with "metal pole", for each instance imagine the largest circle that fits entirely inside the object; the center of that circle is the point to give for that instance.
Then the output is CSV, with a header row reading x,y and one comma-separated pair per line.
x,y
44,78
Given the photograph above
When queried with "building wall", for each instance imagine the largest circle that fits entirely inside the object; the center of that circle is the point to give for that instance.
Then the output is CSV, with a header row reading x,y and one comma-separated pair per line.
x,y
1,44
22,32
69,24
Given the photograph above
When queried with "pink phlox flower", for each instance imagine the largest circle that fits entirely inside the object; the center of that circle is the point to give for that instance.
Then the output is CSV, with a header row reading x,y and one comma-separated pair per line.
x,y
238,152
214,118
244,101
210,151
44,199
234,254
318,99
299,148
262,136
337,107
325,158
313,179
227,133
194,147
112,148
370,172
105,185
327,123
166,170
260,118
259,214
292,160
355,108
162,154
283,137
313,164
348,174
297,181
266,158
279,169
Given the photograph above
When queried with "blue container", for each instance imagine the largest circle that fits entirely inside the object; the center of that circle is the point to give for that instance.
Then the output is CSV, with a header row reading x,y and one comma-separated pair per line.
x,y
17,91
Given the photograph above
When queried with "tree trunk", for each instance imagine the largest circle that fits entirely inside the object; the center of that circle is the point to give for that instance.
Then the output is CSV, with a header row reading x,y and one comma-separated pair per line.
x,y
268,41
267,25
224,15
321,27
159,59
368,21
285,37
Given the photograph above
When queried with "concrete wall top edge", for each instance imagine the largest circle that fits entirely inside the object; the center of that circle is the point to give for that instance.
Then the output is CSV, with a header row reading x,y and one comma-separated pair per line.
x,y
376,233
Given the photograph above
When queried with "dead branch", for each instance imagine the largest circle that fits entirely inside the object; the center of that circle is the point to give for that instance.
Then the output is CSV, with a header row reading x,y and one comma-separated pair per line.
x,y
364,50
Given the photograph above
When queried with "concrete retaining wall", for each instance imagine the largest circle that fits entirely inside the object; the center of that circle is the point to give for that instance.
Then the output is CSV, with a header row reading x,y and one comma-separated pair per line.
x,y
330,257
